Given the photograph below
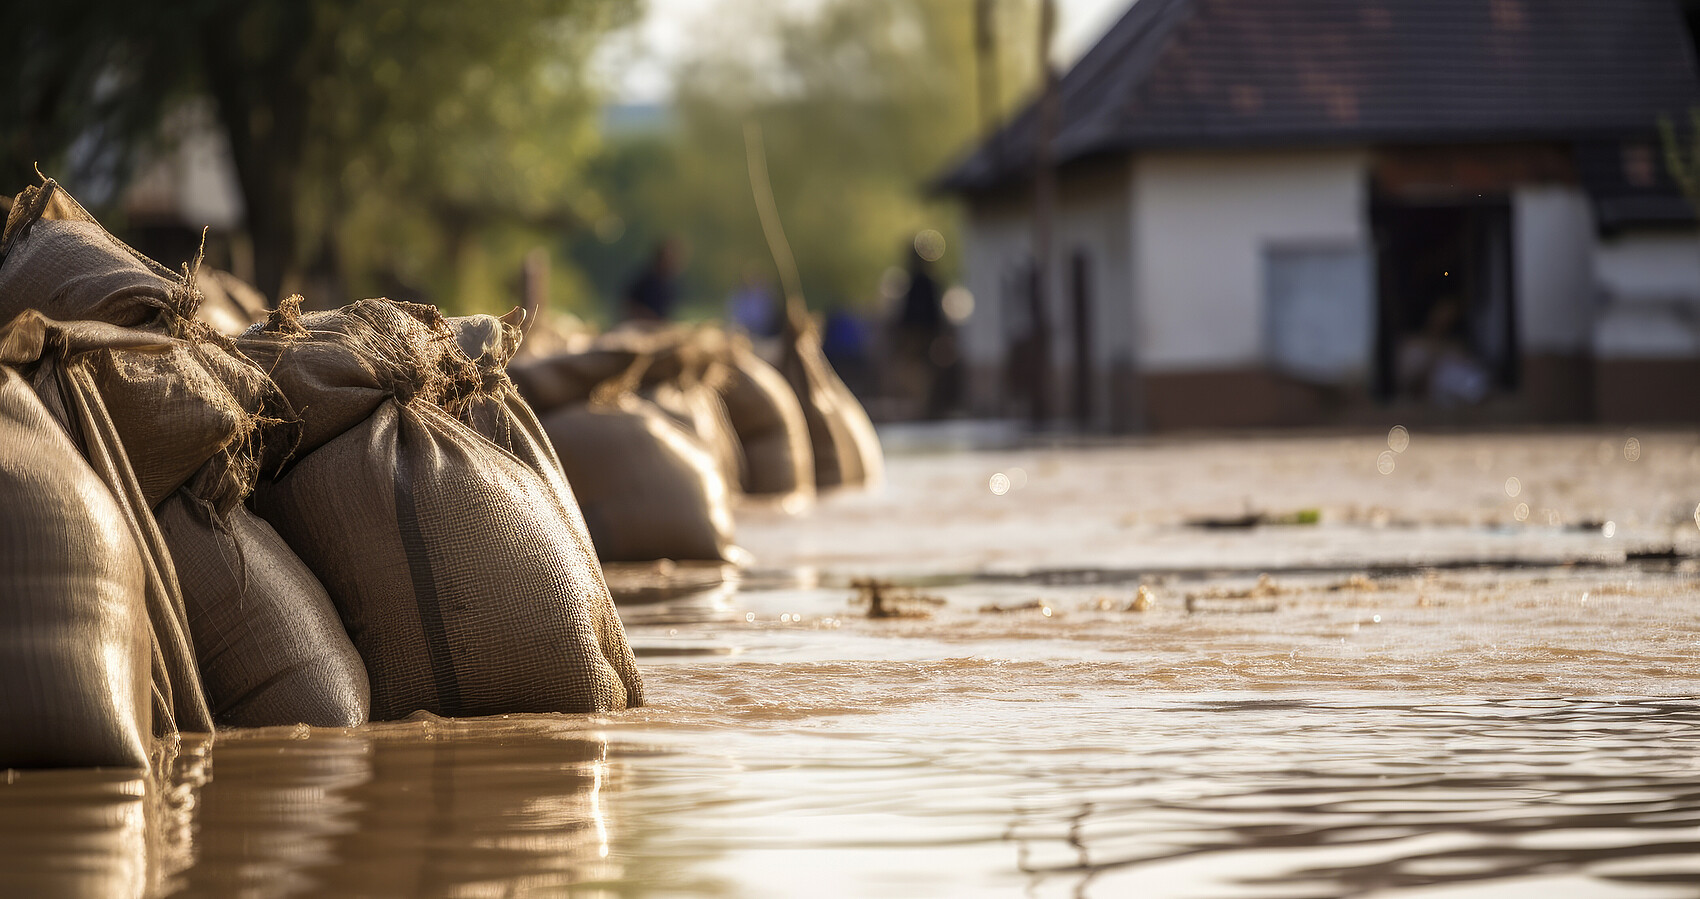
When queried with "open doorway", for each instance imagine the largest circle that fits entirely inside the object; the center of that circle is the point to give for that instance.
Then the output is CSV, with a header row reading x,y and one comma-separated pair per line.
x,y
1446,329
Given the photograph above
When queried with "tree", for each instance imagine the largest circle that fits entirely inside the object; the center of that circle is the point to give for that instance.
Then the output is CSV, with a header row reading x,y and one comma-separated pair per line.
x,y
369,137
860,102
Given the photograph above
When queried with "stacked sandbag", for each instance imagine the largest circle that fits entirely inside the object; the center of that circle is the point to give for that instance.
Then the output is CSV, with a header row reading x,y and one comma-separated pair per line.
x,y
772,433
684,379
271,647
195,419
94,651
846,448
460,571
648,487
649,484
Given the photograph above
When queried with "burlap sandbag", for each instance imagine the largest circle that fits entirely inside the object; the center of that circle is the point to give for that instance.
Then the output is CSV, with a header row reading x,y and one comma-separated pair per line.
x,y
567,379
271,647
59,362
455,566
846,448
55,258
75,646
649,489
771,430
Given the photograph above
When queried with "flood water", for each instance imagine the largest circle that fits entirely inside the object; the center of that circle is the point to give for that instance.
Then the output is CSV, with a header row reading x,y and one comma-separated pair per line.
x,y
1418,694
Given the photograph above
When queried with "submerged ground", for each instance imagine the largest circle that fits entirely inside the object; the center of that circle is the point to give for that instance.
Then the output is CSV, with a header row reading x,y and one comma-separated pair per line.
x,y
1400,664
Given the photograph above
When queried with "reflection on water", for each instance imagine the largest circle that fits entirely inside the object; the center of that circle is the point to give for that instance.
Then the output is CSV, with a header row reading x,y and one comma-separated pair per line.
x,y
1459,733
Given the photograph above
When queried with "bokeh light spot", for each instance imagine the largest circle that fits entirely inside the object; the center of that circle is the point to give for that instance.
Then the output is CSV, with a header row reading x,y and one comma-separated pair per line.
x,y
929,245
1398,439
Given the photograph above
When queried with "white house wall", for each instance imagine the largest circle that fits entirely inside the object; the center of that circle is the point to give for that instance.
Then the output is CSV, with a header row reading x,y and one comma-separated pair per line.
x,y
1651,286
1553,227
1201,224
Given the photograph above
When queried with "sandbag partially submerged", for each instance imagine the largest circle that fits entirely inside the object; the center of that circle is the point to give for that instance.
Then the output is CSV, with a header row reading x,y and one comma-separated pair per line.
x,y
270,648
270,645
89,585
649,489
770,427
846,448
457,568
75,646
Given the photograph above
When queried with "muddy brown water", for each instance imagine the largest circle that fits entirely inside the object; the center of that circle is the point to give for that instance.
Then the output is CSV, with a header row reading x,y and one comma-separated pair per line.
x,y
1420,695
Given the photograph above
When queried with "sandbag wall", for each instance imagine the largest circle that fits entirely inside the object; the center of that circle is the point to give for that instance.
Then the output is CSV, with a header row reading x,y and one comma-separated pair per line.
x,y
416,544
645,440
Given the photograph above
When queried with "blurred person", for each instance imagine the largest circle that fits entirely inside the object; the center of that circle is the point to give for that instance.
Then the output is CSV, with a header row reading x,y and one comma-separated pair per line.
x,y
753,307
924,346
653,293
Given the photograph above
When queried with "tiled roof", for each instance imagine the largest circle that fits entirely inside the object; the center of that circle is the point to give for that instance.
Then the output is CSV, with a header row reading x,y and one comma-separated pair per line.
x,y
1215,73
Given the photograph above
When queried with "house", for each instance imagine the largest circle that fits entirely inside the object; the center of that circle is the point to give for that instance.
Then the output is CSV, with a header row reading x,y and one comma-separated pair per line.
x,y
1274,212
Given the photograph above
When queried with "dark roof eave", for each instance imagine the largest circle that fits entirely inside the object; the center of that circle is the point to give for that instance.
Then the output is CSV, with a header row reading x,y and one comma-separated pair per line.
x,y
959,182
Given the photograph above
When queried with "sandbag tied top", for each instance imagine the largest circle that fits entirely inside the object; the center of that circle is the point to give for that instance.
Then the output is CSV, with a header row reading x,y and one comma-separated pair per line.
x,y
496,410
648,487
336,367
460,571
55,360
55,258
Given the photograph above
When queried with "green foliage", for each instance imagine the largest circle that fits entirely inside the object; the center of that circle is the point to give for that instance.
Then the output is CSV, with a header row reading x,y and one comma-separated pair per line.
x,y
379,144
860,102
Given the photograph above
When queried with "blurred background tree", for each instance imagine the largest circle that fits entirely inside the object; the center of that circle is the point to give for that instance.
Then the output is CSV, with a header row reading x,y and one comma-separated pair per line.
x,y
420,149
860,102
410,148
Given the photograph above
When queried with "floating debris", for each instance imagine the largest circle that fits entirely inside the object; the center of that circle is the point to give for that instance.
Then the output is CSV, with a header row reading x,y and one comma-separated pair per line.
x,y
1253,519
1358,583
1143,601
1034,605
886,601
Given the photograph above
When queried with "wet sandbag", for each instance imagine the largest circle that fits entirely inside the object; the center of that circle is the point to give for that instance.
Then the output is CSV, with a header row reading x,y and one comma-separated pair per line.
x,y
846,448
693,402
56,358
456,568
75,647
271,647
649,489
567,379
55,258
770,427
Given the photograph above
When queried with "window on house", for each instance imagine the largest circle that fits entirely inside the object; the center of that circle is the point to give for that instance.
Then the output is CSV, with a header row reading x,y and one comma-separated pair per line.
x,y
1319,311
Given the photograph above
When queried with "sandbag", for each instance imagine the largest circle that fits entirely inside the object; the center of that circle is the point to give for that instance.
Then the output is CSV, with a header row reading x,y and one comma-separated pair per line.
x,y
846,448
55,258
271,647
75,646
457,569
770,427
694,403
567,379
649,489
58,359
